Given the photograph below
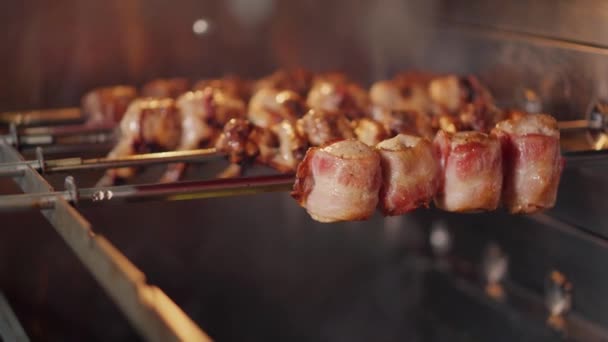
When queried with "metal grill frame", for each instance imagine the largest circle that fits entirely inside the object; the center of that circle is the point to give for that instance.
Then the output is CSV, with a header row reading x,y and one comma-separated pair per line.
x,y
150,311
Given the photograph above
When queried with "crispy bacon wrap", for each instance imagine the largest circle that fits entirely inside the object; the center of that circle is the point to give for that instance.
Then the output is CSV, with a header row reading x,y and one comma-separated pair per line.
x,y
471,171
339,182
410,173
533,162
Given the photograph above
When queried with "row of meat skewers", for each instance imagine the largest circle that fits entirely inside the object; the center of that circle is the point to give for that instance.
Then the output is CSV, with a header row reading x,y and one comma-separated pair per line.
x,y
275,119
364,147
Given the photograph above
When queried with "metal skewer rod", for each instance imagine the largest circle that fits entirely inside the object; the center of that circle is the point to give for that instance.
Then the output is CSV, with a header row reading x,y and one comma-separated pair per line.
x,y
137,193
64,130
573,125
101,133
60,135
88,134
74,164
43,116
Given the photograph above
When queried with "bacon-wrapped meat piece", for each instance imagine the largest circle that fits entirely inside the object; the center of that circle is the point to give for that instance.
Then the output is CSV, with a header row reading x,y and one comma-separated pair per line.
x,y
231,85
471,171
291,149
449,93
335,93
236,142
369,131
403,122
107,105
275,112
203,115
402,105
165,87
297,80
466,103
321,127
149,124
279,147
339,182
533,162
269,106
401,96
410,173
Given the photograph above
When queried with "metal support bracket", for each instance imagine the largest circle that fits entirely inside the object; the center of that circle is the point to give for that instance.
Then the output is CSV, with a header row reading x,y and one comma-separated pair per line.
x,y
154,315
10,329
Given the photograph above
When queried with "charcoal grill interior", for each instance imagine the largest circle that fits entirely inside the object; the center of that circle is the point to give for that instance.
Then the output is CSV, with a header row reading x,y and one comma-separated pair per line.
x,y
257,267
